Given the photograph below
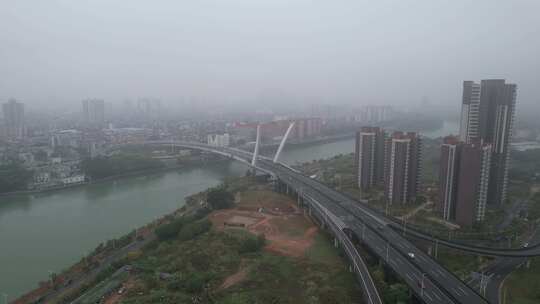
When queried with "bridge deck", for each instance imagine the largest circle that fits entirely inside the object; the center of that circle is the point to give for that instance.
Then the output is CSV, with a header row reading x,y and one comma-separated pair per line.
x,y
439,285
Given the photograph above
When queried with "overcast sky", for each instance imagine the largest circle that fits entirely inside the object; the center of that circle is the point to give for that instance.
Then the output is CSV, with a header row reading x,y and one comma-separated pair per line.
x,y
319,50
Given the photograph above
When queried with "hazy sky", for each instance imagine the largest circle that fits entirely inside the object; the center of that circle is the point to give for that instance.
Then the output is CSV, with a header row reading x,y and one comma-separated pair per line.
x,y
334,51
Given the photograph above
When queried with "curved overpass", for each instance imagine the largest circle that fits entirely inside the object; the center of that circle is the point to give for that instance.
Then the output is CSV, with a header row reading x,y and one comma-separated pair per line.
x,y
427,278
530,251
336,225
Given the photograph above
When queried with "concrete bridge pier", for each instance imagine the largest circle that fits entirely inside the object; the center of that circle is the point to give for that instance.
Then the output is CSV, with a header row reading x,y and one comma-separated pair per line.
x,y
277,186
299,200
280,186
336,243
274,184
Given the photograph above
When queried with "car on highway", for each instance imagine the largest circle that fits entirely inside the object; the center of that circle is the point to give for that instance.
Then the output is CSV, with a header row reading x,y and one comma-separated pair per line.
x,y
411,255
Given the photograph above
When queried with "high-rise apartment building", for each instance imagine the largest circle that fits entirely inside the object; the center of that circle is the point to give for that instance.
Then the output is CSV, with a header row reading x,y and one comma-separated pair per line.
x,y
487,116
369,157
449,176
472,185
402,167
470,112
14,118
93,111
464,180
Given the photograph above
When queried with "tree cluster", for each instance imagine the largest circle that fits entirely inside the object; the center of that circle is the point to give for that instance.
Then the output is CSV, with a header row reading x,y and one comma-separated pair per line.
x,y
14,177
101,167
220,198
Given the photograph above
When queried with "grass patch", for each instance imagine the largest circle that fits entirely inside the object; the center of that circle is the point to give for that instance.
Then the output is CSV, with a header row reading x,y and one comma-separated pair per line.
x,y
458,263
201,265
323,251
280,279
198,266
101,289
523,285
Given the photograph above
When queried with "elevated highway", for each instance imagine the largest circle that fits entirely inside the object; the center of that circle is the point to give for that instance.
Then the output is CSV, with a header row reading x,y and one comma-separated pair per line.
x,y
335,225
349,219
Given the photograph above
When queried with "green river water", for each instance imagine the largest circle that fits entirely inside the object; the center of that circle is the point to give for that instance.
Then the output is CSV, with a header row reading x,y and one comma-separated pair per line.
x,y
49,231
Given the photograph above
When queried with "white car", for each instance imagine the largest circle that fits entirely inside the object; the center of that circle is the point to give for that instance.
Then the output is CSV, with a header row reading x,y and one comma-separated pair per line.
x,y
411,255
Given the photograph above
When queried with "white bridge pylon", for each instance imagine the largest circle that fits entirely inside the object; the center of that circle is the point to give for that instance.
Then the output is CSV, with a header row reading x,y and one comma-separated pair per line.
x,y
256,152
283,140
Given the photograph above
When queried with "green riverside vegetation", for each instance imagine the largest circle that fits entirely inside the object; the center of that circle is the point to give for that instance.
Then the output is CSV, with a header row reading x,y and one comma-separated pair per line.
x,y
191,262
14,177
102,167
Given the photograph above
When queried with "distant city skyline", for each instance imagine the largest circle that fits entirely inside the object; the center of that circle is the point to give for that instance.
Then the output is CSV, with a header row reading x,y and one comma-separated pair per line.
x,y
241,52
13,114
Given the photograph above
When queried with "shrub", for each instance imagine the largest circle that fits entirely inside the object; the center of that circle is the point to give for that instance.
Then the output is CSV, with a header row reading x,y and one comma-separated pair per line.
x,y
191,230
252,244
220,198
169,231
194,284
201,213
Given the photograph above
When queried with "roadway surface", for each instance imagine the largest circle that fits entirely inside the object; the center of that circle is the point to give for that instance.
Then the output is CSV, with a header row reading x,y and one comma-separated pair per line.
x,y
427,278
430,281
338,226
499,270
531,251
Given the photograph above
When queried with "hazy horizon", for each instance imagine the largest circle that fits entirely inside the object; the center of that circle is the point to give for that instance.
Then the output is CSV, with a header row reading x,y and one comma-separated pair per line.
x,y
239,51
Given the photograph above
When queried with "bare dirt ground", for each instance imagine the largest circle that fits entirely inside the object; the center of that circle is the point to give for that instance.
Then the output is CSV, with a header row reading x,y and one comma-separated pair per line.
x,y
288,231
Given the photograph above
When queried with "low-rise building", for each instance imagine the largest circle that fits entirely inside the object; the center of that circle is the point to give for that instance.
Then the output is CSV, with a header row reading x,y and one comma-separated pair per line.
x,y
75,179
218,140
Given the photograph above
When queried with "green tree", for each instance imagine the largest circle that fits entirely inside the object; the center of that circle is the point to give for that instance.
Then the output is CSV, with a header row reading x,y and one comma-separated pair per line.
x,y
251,244
14,177
102,167
192,230
396,293
195,283
421,199
220,198
170,230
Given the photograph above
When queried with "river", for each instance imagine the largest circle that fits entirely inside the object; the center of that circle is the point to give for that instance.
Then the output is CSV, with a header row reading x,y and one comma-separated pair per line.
x,y
52,230
49,231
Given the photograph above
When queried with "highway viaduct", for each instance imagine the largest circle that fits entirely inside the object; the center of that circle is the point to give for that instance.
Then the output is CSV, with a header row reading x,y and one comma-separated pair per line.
x,y
347,218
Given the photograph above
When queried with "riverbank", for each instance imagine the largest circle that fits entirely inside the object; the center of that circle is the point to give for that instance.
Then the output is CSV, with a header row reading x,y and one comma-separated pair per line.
x,y
80,276
75,220
227,264
113,178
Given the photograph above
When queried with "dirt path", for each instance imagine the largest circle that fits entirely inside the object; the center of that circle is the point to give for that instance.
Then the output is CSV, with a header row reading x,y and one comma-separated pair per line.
x,y
235,278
